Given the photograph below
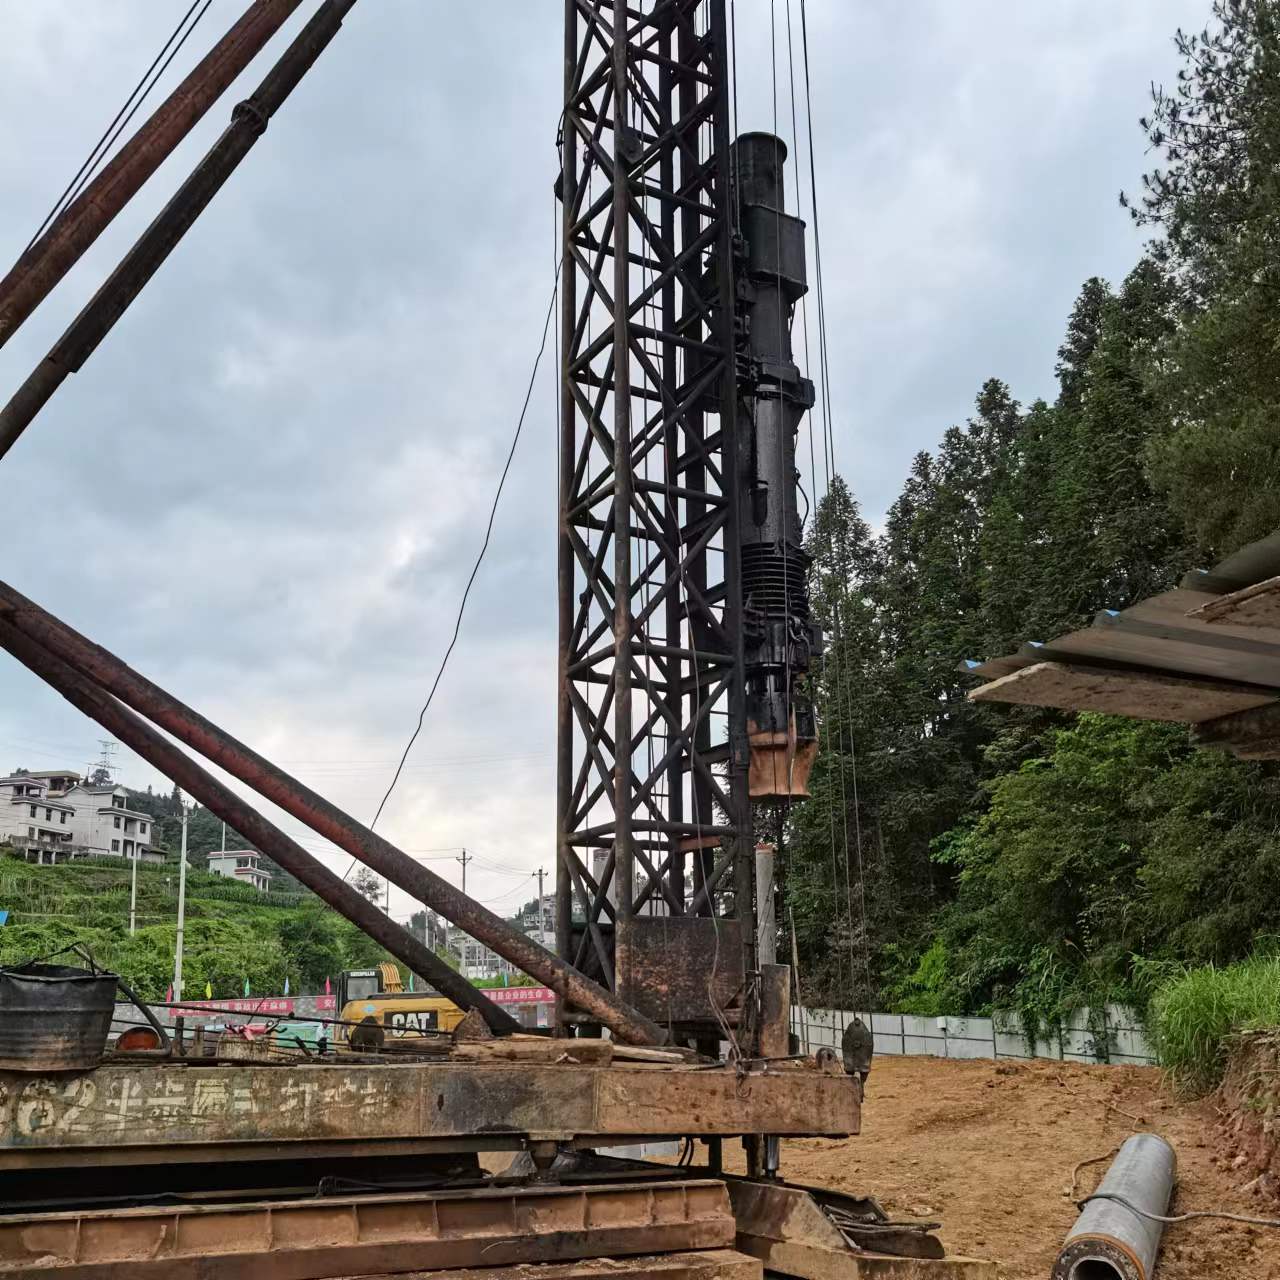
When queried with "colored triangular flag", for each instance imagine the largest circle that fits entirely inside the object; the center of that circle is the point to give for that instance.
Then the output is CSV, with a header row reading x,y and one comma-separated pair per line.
x,y
327,989
286,984
246,986
168,995
208,990
410,979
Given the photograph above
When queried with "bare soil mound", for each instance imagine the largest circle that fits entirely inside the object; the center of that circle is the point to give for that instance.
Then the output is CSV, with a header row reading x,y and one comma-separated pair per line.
x,y
989,1148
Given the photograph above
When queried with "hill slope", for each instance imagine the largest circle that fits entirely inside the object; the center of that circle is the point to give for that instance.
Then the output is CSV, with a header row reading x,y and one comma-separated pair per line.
x,y
233,932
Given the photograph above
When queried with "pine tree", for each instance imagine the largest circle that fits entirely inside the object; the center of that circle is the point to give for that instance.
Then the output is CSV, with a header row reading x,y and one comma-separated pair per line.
x,y
1215,207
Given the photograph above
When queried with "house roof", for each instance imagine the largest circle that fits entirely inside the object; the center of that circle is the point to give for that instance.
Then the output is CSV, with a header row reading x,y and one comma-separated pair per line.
x,y
47,801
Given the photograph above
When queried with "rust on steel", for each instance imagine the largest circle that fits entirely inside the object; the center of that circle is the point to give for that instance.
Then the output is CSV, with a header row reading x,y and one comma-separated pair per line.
x,y
121,723
248,122
324,817
348,1235
680,968
167,1112
38,271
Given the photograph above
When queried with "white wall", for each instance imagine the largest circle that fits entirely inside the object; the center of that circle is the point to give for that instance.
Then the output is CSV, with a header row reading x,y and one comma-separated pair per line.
x,y
999,1037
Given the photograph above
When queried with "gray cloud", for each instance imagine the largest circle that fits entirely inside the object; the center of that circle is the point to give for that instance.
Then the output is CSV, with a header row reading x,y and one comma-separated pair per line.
x,y
266,489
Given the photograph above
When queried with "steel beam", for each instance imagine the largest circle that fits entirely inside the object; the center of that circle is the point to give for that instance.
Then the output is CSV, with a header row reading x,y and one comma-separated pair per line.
x,y
323,817
248,123
177,1111
73,231
121,723
815,1234
314,1238
706,1264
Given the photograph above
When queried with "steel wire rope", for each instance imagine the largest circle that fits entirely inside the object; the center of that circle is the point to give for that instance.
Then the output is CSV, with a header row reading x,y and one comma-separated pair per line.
x,y
475,568
120,128
784,807
813,481
1190,1216
727,354
95,157
829,454
557,438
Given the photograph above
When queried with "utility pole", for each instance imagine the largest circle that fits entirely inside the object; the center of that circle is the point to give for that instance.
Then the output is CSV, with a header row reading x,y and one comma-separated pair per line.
x,y
224,831
542,917
133,893
464,859
182,908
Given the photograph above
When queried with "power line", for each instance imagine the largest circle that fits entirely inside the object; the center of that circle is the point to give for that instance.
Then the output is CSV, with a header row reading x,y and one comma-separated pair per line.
x,y
104,144
475,568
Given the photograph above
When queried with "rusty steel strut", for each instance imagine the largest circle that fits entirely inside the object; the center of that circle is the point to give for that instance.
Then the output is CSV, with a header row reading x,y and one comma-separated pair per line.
x,y
323,817
34,276
248,123
121,723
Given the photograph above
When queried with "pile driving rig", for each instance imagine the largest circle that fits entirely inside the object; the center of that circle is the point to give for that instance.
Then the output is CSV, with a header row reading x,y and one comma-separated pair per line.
x,y
684,638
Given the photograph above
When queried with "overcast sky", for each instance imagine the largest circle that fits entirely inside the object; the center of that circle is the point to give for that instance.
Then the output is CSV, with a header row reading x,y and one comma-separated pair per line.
x,y
266,488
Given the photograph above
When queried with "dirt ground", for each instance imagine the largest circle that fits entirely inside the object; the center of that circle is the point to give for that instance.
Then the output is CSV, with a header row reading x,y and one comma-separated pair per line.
x,y
988,1148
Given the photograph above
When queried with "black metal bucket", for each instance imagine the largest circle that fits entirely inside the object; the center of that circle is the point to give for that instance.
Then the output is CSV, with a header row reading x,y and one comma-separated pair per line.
x,y
54,1017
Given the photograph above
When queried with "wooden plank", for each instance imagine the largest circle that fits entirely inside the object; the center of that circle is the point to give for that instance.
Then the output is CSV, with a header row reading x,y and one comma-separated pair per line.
x,y
992,667
1142,695
1250,735
538,1049
1178,656
1255,606
1183,607
1184,630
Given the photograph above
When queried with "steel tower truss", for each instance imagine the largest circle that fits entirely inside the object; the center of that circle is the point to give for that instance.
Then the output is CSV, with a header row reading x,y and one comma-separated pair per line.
x,y
653,813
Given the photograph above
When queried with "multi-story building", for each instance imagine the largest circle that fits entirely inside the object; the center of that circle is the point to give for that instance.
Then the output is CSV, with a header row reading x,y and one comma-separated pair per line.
x,y
104,825
244,865
51,823
33,820
475,960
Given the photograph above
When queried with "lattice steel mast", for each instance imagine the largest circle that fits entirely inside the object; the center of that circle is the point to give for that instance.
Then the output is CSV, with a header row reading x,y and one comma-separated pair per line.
x,y
658,474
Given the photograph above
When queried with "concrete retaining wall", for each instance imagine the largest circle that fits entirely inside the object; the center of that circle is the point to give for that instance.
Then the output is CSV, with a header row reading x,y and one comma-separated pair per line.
x,y
1119,1039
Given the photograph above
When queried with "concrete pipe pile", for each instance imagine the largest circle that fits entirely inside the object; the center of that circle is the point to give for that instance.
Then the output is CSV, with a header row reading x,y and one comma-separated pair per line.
x,y
1117,1235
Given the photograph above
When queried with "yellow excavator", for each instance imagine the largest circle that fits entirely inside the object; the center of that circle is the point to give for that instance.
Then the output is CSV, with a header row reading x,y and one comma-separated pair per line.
x,y
376,1012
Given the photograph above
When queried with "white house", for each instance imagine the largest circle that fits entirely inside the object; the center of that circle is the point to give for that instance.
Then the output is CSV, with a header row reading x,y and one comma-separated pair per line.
x,y
241,864
475,960
104,824
51,824
34,820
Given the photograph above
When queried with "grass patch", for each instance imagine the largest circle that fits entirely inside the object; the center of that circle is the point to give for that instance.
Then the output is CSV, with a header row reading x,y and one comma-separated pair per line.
x,y
1194,1014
